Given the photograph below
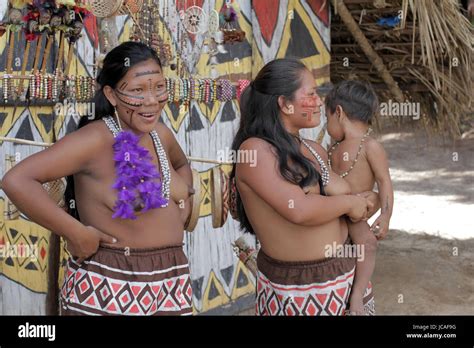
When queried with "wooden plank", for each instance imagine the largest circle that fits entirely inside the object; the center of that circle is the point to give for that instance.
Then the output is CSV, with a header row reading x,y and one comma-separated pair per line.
x,y
17,300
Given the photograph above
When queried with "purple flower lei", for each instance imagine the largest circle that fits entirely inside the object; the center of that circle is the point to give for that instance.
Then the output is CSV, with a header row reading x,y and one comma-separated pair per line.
x,y
136,182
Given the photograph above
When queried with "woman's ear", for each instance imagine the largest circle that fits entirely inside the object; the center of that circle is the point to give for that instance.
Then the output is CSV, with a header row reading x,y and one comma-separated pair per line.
x,y
110,95
286,107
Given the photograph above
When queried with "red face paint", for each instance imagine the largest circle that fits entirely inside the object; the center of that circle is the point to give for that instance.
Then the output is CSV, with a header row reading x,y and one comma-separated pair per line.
x,y
309,104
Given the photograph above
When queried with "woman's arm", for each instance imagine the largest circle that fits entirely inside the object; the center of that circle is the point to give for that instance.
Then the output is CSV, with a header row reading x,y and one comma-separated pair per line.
x,y
287,199
23,183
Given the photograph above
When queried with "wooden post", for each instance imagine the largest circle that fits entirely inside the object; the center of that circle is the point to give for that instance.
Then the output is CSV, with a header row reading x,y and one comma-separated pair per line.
x,y
52,296
369,51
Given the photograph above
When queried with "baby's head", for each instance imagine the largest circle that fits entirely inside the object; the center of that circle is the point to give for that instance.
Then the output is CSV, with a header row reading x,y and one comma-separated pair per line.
x,y
347,103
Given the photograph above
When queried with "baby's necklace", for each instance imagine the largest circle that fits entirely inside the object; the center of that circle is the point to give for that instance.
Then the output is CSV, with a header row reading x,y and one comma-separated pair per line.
x,y
343,175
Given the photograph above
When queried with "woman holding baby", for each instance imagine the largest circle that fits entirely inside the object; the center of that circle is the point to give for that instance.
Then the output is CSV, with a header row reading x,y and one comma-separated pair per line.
x,y
292,200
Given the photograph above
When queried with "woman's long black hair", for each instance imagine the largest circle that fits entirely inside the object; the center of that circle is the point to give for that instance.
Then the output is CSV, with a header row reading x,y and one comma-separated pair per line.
x,y
115,66
260,118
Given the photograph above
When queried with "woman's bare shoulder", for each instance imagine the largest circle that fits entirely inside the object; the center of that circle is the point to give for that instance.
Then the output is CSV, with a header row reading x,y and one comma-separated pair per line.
x,y
255,143
91,139
96,132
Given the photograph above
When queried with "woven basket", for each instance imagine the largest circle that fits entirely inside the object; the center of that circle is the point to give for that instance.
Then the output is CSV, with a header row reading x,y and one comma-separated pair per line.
x,y
56,191
105,8
130,7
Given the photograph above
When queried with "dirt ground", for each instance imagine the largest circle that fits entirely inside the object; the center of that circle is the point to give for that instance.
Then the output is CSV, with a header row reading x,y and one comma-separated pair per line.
x,y
426,264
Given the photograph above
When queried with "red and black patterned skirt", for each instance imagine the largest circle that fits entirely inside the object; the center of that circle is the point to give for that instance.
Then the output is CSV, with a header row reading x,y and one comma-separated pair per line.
x,y
118,281
306,287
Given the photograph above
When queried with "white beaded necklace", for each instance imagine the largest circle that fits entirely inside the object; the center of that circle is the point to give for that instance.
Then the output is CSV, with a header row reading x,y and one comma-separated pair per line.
x,y
165,169
322,165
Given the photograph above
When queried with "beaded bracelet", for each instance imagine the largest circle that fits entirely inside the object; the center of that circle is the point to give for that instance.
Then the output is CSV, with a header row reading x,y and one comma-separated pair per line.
x,y
214,91
208,91
5,87
191,89
32,86
199,87
176,92
243,84
50,87
37,85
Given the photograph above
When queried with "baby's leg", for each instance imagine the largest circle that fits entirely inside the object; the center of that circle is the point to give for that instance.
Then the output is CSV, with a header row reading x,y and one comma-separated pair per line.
x,y
361,235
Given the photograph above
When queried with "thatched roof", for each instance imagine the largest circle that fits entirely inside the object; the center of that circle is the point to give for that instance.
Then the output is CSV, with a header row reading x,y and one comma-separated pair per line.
x,y
428,54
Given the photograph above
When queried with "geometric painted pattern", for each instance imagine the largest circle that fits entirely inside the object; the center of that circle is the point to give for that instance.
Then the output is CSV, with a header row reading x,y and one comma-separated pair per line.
x,y
29,269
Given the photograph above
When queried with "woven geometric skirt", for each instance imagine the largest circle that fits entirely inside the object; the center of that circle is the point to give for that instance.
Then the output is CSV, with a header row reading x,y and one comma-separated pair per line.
x,y
306,288
116,281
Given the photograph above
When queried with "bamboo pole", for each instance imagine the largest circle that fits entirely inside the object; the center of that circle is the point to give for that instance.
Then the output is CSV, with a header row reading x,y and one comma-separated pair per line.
x,y
23,66
369,51
52,295
36,143
46,53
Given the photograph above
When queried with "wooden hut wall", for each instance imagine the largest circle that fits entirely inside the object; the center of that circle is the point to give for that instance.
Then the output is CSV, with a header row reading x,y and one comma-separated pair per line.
x,y
274,29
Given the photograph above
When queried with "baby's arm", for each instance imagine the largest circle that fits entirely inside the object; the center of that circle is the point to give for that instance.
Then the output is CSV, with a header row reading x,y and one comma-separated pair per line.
x,y
377,159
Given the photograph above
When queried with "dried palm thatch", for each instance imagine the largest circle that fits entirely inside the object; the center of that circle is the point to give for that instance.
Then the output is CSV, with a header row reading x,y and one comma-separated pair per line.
x,y
428,54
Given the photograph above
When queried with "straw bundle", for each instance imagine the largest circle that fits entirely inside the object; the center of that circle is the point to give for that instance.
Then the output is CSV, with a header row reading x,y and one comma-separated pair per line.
x,y
428,54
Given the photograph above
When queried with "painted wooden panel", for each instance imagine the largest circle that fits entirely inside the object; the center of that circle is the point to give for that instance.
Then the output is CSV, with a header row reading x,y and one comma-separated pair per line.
x,y
275,29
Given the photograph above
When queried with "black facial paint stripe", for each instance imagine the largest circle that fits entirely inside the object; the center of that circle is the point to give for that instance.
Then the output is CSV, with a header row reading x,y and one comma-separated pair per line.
x,y
144,73
131,96
129,104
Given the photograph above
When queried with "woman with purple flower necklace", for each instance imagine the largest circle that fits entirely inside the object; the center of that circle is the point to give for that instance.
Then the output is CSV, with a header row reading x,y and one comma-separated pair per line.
x,y
129,182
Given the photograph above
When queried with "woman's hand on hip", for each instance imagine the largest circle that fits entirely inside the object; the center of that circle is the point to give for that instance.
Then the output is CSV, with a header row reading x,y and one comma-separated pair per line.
x,y
86,242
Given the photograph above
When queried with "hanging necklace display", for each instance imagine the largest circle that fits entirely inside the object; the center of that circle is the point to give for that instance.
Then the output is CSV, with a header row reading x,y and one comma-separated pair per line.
x,y
42,18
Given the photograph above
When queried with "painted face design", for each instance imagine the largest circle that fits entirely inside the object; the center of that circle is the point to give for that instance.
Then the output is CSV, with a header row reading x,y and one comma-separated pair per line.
x,y
310,104
134,101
